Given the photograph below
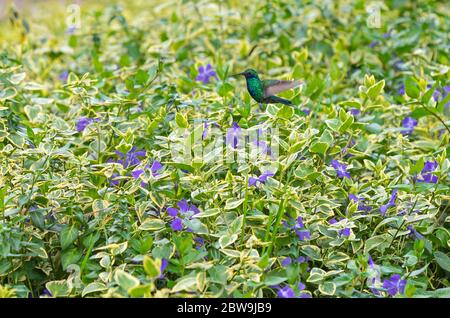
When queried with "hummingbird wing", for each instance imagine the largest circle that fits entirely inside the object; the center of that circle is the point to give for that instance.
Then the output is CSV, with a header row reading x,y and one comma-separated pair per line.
x,y
273,87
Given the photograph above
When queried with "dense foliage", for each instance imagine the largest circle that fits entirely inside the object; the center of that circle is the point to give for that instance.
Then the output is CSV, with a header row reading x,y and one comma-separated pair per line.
x,y
93,201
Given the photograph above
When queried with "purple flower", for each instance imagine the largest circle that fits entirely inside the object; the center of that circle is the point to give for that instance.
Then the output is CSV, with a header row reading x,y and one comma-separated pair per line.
x,y
355,111
261,146
394,285
371,262
205,130
373,44
114,179
83,122
307,111
414,232
172,212
332,221
177,224
361,206
288,292
398,66
302,259
345,232
401,90
286,262
437,94
285,292
140,107
408,124
426,174
233,135
300,288
262,178
63,76
164,264
183,205
340,168
391,202
46,293
299,223
299,229
71,29
252,181
199,242
184,210
446,92
303,235
137,173
156,166
206,125
204,74
374,277
130,158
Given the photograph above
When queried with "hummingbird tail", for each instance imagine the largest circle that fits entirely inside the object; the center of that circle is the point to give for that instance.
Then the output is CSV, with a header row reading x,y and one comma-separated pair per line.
x,y
275,99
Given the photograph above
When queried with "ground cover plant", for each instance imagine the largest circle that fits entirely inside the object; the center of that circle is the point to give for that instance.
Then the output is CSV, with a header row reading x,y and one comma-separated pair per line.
x,y
133,164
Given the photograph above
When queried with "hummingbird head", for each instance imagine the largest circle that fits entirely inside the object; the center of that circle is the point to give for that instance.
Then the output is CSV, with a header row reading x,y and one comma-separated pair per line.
x,y
248,73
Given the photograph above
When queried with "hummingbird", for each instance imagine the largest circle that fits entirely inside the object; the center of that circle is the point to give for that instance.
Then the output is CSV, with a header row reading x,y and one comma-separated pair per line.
x,y
263,91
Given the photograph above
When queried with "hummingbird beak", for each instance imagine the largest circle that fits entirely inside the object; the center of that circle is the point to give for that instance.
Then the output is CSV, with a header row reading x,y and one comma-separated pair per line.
x,y
237,74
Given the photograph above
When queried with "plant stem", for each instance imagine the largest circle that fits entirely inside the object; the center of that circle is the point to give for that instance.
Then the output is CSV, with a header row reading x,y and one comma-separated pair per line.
x,y
278,218
437,117
245,209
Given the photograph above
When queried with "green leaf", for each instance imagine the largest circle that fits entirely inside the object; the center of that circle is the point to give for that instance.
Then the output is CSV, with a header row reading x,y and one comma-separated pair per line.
x,y
93,288
411,88
67,236
334,124
125,280
327,288
208,213
152,225
312,252
188,283
58,288
140,291
8,93
141,77
225,88
345,125
70,256
99,206
232,204
285,112
429,93
227,239
236,225
316,275
419,113
272,280
152,267
418,166
443,260
418,271
374,91
441,105
374,242
181,121
319,147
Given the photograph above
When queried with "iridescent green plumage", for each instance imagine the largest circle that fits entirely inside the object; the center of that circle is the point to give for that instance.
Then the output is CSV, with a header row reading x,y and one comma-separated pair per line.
x,y
263,91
